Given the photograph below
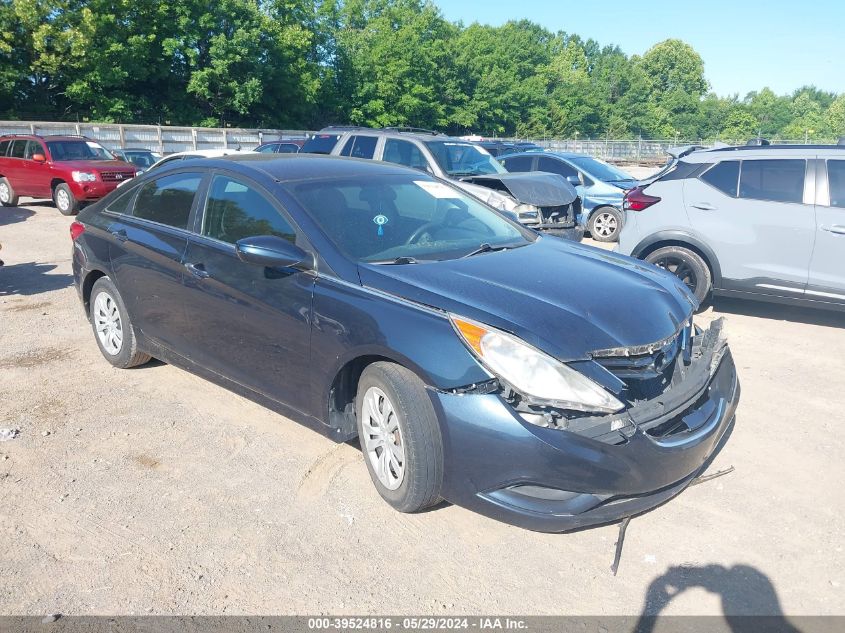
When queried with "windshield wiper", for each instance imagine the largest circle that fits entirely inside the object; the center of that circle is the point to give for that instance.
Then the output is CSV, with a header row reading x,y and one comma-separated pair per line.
x,y
404,259
486,248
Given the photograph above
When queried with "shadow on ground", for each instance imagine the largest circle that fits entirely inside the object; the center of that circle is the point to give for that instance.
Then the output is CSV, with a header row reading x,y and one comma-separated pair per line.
x,y
31,279
780,312
13,215
750,603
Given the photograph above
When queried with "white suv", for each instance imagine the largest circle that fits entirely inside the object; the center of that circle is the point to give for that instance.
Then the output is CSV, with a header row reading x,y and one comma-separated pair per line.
x,y
764,222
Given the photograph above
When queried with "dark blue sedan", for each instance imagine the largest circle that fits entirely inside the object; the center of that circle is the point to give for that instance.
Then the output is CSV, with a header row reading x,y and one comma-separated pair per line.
x,y
538,381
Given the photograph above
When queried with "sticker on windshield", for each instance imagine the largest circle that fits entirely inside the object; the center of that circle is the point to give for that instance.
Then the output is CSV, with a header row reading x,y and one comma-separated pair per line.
x,y
92,145
380,221
436,189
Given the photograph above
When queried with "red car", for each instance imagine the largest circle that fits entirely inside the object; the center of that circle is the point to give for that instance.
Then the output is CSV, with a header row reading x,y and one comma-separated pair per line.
x,y
71,170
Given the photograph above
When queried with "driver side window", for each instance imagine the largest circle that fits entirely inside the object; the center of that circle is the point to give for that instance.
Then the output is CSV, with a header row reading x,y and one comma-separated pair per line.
x,y
404,153
234,210
556,167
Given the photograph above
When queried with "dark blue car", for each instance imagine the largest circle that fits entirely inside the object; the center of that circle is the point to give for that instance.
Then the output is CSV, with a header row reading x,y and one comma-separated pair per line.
x,y
466,352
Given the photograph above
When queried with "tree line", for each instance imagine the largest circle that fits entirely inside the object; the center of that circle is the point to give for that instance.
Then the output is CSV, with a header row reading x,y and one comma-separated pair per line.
x,y
301,64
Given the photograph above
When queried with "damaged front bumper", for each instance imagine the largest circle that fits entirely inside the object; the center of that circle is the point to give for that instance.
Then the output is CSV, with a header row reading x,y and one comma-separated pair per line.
x,y
555,480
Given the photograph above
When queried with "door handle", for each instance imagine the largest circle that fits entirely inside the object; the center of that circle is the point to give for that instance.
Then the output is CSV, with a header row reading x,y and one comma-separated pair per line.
x,y
120,235
198,271
704,206
836,228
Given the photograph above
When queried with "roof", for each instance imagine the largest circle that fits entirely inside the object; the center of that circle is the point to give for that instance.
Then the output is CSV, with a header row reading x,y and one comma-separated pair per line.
x,y
292,167
762,151
545,152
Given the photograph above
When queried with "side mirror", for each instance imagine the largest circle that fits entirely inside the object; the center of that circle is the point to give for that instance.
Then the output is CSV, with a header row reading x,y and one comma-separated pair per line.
x,y
272,251
39,158
573,180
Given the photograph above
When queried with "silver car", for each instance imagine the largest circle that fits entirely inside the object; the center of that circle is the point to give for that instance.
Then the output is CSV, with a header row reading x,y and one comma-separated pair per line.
x,y
764,222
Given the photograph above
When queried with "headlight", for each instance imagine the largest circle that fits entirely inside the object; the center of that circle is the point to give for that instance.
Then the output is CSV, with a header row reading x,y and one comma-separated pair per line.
x,y
526,208
84,176
531,372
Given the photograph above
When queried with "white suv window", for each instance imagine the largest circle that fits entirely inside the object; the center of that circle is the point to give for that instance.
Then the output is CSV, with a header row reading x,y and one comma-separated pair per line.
x,y
724,176
778,180
836,180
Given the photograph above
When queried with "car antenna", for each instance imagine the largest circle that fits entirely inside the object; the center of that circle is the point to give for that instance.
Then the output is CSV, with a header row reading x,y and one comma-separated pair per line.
x,y
620,541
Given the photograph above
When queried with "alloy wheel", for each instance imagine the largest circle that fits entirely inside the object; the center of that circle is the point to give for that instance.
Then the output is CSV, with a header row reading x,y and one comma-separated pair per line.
x,y
108,324
5,195
679,267
605,224
62,200
383,443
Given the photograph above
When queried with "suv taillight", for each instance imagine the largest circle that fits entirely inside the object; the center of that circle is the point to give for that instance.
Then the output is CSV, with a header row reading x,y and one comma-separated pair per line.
x,y
76,229
636,200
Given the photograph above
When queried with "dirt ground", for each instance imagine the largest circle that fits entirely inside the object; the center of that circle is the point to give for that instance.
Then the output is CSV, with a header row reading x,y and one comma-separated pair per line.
x,y
153,491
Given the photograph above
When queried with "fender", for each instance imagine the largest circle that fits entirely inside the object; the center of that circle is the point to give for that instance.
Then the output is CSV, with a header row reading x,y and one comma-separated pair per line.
x,y
680,237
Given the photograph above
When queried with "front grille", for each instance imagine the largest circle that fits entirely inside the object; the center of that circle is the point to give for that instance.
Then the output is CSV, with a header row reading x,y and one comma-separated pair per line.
x,y
648,369
116,176
562,216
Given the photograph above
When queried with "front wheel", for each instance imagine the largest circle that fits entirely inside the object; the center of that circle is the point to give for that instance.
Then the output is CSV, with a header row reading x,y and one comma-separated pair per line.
x,y
605,224
400,437
686,265
65,201
112,327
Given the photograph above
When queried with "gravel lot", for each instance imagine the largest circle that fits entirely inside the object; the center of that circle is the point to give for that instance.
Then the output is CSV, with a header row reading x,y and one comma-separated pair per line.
x,y
153,491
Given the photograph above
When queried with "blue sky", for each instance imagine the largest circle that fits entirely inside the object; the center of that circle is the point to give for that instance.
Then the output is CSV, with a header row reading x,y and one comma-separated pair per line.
x,y
745,44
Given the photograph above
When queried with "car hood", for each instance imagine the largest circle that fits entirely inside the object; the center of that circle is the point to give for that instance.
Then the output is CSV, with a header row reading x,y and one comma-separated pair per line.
x,y
567,299
95,165
535,187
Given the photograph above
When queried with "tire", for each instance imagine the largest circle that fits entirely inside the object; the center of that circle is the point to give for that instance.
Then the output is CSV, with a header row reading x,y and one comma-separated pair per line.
x,y
106,304
390,385
8,197
65,201
605,224
686,265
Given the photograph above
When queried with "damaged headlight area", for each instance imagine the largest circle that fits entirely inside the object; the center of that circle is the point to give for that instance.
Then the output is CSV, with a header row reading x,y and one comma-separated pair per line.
x,y
538,378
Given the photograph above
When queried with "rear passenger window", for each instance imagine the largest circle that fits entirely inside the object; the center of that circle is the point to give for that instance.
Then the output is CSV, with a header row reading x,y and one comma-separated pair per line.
x,y
235,210
518,163
121,203
168,200
724,176
836,180
776,180
18,149
360,147
4,147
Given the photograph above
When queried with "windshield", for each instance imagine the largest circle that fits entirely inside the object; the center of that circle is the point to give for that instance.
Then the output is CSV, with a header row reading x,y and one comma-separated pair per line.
x,y
78,150
141,159
464,159
320,144
601,170
405,216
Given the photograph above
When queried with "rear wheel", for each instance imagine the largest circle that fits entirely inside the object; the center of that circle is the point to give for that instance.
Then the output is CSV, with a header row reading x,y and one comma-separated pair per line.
x,y
605,224
65,201
8,197
112,327
399,436
686,265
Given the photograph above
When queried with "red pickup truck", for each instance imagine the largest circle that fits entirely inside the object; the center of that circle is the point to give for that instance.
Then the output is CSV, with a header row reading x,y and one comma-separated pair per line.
x,y
71,170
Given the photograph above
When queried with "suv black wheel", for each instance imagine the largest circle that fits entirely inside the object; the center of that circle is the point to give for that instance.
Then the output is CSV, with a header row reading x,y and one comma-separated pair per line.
x,y
686,265
65,201
605,224
400,436
8,197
